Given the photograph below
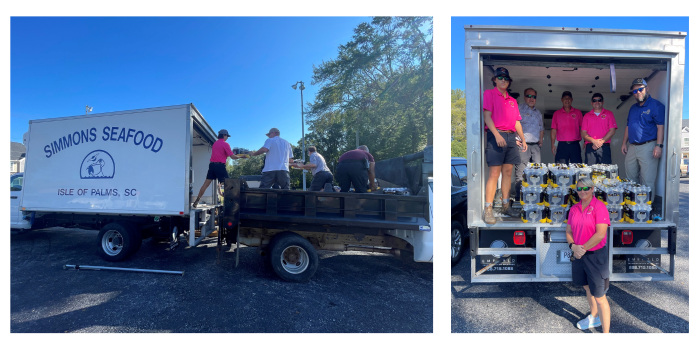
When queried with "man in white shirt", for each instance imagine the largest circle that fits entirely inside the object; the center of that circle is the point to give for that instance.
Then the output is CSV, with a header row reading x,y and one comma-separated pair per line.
x,y
279,155
533,130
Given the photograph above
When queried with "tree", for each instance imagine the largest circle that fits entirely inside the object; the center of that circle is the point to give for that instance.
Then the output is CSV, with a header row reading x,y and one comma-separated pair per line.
x,y
379,87
459,124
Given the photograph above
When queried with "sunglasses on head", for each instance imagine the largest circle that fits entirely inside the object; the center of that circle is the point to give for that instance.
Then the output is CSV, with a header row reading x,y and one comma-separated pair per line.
x,y
583,189
503,78
637,90
531,96
597,100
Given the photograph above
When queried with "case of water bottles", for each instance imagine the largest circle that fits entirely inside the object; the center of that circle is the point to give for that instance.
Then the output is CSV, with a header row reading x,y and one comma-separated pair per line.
x,y
532,195
615,211
635,194
573,196
556,196
614,195
535,174
637,214
533,214
558,214
581,171
560,176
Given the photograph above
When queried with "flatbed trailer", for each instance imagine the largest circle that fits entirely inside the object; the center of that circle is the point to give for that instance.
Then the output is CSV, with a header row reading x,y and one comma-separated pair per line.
x,y
553,60
289,226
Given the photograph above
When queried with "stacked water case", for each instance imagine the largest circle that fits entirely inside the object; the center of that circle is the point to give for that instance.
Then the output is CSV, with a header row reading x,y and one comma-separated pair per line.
x,y
637,214
533,213
535,175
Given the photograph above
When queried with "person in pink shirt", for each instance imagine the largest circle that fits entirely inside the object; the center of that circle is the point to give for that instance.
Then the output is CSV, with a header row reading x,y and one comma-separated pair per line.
x,y
586,233
597,128
566,128
220,152
502,124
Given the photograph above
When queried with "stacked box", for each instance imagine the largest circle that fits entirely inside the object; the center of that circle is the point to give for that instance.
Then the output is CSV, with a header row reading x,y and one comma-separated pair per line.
x,y
637,214
533,214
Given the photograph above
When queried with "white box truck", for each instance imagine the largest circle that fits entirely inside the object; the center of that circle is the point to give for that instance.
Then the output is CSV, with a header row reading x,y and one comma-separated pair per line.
x,y
583,61
129,174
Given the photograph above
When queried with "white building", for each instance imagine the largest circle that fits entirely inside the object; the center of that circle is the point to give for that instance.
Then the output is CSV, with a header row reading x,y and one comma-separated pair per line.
x,y
17,154
685,138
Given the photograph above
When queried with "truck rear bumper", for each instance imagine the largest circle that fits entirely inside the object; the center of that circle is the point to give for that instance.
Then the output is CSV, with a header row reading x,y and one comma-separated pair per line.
x,y
543,259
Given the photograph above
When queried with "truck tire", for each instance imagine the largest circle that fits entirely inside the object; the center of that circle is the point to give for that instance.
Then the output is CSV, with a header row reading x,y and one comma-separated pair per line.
x,y
293,258
457,242
115,241
136,236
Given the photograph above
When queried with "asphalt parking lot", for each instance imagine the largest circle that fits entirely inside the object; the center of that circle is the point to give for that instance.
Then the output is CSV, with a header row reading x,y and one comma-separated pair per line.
x,y
350,292
636,307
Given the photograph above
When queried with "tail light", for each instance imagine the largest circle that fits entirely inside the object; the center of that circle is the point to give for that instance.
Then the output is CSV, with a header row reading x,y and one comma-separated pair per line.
x,y
519,238
230,224
627,237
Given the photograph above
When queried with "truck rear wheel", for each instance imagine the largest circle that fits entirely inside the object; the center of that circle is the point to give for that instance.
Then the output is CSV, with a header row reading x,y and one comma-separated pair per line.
x,y
293,258
116,241
457,242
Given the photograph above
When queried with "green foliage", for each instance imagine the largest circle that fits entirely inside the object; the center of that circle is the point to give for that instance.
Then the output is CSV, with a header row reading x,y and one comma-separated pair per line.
x,y
251,166
459,124
379,87
459,148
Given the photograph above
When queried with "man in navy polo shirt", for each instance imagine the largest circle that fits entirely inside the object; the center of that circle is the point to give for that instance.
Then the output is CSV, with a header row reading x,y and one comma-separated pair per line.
x,y
645,133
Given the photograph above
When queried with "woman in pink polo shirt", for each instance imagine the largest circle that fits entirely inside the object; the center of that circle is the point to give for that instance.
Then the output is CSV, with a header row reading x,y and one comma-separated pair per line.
x,y
502,124
586,233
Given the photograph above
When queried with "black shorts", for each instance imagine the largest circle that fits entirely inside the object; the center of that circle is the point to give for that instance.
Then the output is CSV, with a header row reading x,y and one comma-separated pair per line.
x,y
217,171
601,155
496,155
592,270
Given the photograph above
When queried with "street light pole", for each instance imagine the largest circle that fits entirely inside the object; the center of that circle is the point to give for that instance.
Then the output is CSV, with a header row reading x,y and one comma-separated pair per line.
x,y
303,144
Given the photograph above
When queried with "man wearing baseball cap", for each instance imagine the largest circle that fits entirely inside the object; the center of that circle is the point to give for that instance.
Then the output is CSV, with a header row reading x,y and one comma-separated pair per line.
x,y
279,155
597,128
501,124
220,152
566,128
645,133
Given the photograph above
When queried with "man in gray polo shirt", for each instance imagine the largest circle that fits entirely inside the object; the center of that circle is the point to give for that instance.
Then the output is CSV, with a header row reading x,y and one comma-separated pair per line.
x,y
321,172
279,155
533,130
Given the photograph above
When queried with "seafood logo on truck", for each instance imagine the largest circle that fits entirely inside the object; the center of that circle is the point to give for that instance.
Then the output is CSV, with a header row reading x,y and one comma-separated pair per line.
x,y
98,164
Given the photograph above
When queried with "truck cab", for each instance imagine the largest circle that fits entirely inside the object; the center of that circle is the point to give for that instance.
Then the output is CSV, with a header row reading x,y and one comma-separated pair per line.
x,y
17,221
459,206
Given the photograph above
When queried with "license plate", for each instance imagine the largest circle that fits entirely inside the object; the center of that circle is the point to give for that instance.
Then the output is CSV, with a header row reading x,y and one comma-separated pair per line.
x,y
564,256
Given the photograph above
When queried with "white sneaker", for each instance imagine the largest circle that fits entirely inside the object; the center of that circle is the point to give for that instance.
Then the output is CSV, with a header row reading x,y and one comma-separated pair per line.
x,y
589,322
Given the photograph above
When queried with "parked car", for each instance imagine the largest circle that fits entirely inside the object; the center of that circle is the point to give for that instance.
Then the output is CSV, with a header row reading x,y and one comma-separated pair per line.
x,y
684,167
459,208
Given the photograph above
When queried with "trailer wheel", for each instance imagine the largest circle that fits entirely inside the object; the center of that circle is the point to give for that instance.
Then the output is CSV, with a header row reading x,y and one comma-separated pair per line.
x,y
457,242
115,241
293,258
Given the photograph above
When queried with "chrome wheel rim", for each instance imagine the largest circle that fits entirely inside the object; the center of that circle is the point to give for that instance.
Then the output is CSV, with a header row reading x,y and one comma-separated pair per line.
x,y
112,242
456,242
294,259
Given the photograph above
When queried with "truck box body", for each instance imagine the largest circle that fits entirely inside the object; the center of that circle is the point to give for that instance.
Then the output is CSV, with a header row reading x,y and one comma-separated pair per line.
x,y
583,61
131,162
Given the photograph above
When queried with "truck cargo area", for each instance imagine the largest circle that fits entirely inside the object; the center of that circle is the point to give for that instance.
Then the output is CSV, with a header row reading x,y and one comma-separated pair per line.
x,y
582,61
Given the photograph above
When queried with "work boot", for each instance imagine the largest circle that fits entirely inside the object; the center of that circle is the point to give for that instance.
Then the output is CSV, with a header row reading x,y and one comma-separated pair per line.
x,y
488,215
196,201
507,209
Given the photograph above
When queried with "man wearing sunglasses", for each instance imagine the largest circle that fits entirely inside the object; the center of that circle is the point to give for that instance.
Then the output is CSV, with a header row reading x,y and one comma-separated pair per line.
x,y
597,128
645,133
501,123
566,128
533,129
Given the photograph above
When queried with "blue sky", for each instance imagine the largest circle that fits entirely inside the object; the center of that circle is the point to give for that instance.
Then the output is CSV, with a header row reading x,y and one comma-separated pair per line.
x,y
238,72
680,24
